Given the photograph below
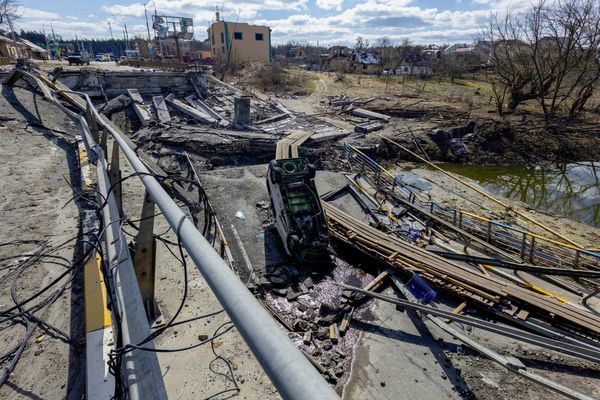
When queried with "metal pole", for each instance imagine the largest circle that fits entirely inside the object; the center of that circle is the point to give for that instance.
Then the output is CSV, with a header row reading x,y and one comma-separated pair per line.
x,y
291,373
149,40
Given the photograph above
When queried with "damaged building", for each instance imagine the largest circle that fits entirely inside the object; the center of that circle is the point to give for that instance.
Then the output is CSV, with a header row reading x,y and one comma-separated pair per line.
x,y
239,42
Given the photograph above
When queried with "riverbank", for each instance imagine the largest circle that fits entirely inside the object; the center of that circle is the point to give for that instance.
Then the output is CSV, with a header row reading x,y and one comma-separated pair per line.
x,y
447,121
449,193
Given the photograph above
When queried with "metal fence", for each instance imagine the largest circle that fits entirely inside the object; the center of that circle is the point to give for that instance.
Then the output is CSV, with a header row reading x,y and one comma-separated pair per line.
x,y
528,246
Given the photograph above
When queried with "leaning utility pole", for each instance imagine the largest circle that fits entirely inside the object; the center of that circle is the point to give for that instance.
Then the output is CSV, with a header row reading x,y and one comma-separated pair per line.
x,y
14,37
47,46
150,49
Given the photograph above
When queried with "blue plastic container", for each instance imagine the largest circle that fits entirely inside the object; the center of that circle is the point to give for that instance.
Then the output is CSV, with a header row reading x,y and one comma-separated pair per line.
x,y
420,289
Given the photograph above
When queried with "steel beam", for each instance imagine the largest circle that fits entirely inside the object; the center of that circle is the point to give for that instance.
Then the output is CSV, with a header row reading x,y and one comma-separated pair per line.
x,y
518,334
140,368
144,260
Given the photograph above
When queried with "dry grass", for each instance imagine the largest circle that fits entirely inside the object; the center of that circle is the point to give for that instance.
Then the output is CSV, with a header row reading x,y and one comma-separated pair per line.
x,y
272,78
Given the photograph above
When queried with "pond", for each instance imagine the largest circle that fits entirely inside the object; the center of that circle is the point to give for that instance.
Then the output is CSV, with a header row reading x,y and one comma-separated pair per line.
x,y
572,190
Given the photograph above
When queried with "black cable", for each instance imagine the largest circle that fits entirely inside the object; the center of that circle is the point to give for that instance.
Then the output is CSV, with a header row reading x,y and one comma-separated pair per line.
x,y
231,378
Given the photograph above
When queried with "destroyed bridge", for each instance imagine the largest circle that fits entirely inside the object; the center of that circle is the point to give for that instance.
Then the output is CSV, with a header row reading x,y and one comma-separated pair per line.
x,y
393,295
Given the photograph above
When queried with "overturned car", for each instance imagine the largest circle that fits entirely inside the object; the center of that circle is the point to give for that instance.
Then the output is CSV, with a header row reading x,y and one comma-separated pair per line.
x,y
299,218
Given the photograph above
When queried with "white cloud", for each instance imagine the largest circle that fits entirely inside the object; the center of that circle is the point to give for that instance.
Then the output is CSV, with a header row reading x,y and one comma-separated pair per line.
x,y
131,10
329,4
295,21
25,12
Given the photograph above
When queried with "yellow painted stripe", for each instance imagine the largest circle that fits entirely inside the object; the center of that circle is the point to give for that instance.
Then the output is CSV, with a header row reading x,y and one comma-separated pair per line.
x,y
84,166
535,288
97,315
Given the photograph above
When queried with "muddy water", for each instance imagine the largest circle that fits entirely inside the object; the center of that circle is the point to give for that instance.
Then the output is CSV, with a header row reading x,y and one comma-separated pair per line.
x,y
572,190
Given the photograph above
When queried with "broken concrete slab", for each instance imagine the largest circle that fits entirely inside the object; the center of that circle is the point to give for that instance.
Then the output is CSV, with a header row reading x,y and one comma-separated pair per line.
x,y
115,105
205,108
367,127
321,137
162,111
276,118
138,106
189,111
361,112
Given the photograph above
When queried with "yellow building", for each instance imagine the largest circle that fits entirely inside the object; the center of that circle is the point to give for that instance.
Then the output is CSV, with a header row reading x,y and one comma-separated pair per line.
x,y
239,42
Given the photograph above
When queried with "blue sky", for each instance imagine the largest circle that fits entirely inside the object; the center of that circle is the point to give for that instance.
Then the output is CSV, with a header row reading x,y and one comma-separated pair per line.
x,y
327,21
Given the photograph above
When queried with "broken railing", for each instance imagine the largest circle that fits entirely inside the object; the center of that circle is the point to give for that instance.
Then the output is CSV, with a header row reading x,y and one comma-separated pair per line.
x,y
527,245
291,373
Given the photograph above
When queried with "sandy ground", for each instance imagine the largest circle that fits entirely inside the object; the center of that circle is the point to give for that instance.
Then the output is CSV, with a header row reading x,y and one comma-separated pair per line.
x,y
34,186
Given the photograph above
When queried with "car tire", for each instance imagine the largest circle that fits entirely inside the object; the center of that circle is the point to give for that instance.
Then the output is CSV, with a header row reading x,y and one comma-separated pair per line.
x,y
292,242
275,172
312,171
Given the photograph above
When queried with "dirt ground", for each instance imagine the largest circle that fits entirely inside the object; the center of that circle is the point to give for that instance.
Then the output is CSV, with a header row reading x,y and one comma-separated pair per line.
x,y
36,171
420,108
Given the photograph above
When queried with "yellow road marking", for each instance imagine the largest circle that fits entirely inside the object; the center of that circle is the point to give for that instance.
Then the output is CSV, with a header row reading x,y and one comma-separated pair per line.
x,y
97,315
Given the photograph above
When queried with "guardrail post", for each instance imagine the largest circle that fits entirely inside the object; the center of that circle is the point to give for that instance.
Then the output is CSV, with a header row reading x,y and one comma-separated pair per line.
x,y
523,245
115,177
363,164
489,231
454,217
460,219
532,249
92,124
576,261
144,260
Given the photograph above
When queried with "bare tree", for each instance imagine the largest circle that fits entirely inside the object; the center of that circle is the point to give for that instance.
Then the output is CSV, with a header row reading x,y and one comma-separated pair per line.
x,y
8,11
386,52
512,69
565,42
361,44
549,54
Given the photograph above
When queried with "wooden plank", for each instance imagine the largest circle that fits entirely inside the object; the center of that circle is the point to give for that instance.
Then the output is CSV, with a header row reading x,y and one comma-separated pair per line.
x,y
456,274
301,138
162,111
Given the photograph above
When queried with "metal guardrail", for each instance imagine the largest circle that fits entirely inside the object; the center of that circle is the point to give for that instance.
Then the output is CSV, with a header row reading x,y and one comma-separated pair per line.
x,y
290,371
527,245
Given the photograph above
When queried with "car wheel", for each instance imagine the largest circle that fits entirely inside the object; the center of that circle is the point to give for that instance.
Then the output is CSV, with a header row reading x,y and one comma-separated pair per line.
x,y
312,171
275,173
292,243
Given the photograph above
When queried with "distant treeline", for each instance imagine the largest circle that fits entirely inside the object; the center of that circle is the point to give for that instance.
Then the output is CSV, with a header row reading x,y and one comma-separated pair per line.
x,y
96,46
116,46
